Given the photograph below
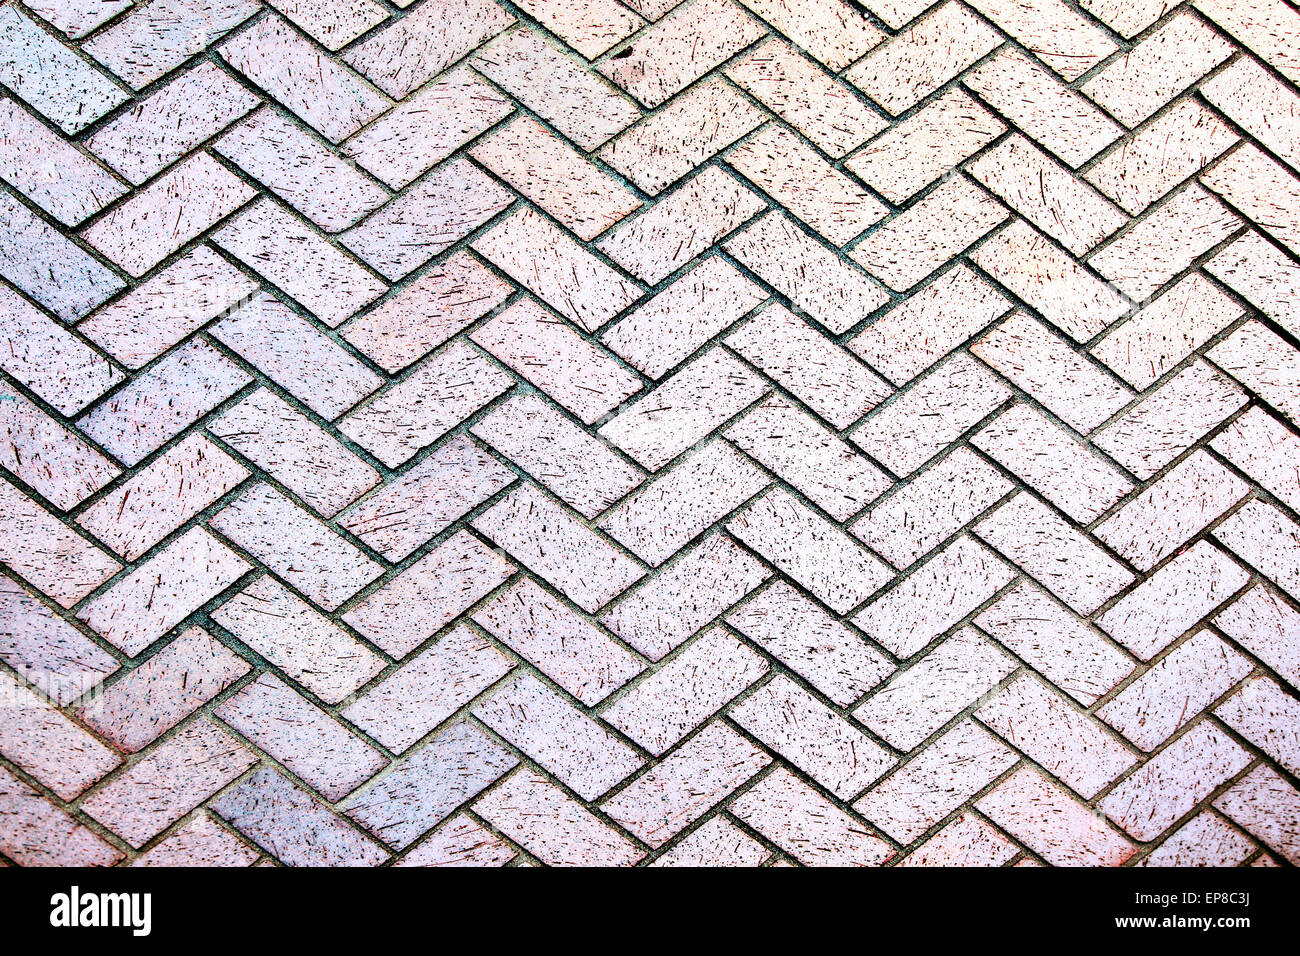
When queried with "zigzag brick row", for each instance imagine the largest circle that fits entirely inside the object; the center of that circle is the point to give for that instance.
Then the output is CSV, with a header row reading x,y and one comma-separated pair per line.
x,y
718,432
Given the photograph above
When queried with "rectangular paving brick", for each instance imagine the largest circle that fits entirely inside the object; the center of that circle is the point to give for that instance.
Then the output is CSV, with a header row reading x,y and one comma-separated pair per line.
x,y
826,653
303,738
925,790
200,842
460,842
1253,357
1263,448
163,401
46,650
1268,540
583,106
37,833
935,597
143,704
1261,621
161,497
806,825
658,520
918,701
825,377
407,512
694,778
967,841
430,784
413,700
412,414
288,822
1262,274
172,780
47,745
715,843
1052,823
156,38
306,646
1264,714
1205,840
295,451
312,558
448,297
552,826
812,737
562,644
1266,804
429,594
576,373
665,706
1170,694
178,580
811,550
685,596
1174,599
572,747
271,240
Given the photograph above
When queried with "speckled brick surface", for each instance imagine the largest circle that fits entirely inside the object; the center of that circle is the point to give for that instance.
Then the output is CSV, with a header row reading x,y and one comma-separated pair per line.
x,y
649,432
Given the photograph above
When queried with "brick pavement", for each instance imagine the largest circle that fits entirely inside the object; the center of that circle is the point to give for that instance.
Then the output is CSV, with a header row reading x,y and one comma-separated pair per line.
x,y
726,432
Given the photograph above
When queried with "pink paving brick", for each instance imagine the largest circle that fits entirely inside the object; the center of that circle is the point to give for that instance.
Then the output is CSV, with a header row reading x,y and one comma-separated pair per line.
x,y
162,592
460,842
826,653
1267,540
37,833
47,745
315,560
161,497
47,553
1264,714
935,597
201,842
452,481
665,706
271,240
817,372
418,410
1167,787
552,826
812,737
1066,650
919,700
806,825
685,596
162,311
696,776
428,785
1194,674
576,373
715,843
50,458
682,224
411,701
967,841
294,450
153,40
1059,557
163,401
1052,823
304,739
172,780
1206,840
1262,621
581,470
286,821
442,301
925,790
306,646
429,594
46,650
660,519
563,645
584,198
1067,743
144,703
1266,805
811,550
796,448
445,207
566,743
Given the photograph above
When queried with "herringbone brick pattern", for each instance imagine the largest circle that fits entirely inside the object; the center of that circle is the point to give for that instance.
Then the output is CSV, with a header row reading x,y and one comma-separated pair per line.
x,y
731,432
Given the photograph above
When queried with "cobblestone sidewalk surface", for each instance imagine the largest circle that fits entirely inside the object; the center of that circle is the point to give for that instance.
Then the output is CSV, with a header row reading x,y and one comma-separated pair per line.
x,y
729,432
